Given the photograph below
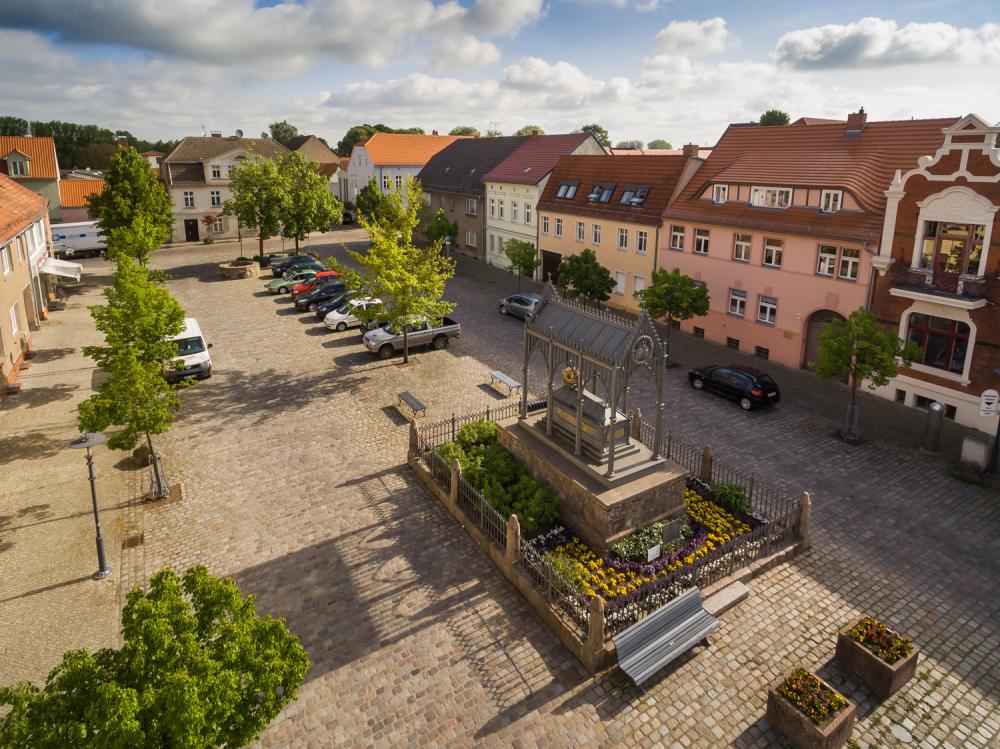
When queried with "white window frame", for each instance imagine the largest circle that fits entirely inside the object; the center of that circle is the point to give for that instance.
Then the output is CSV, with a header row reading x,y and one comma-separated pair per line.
x,y
852,261
14,322
215,198
217,226
501,211
767,310
770,197
17,167
513,211
701,237
638,284
7,262
742,249
581,231
492,244
216,171
188,199
776,249
641,242
559,227
720,193
386,182
621,279
595,234
545,224
677,238
470,207
830,201
399,183
737,303
470,239
826,262
622,238
527,214
493,207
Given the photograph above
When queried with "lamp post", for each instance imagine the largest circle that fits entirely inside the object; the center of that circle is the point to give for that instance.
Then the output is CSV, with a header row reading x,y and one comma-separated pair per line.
x,y
89,440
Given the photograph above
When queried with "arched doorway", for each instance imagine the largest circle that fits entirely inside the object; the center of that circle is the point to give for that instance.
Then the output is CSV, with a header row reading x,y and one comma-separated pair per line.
x,y
814,325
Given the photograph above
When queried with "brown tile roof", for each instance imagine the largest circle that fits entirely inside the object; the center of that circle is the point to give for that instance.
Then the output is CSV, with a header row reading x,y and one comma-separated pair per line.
x,y
816,121
702,152
73,192
19,208
204,148
660,173
400,149
327,170
817,156
152,153
345,161
41,151
529,164
460,167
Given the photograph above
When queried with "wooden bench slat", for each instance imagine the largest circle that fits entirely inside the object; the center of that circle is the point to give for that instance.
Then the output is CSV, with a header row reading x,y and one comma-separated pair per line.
x,y
505,379
411,400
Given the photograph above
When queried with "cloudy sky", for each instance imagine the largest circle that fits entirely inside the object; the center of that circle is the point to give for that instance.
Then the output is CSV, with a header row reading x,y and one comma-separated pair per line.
x,y
676,69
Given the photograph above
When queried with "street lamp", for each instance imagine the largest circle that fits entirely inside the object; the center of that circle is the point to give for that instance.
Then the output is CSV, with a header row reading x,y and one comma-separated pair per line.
x,y
89,440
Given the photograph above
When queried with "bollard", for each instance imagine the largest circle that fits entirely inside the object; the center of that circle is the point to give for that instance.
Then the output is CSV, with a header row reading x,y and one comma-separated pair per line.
x,y
456,474
805,515
705,472
932,430
593,646
513,549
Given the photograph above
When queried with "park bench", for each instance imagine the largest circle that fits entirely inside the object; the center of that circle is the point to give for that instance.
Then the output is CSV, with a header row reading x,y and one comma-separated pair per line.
x,y
504,379
411,401
667,633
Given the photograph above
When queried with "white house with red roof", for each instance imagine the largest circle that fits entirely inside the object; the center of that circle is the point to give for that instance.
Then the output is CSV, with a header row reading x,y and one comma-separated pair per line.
x,y
390,159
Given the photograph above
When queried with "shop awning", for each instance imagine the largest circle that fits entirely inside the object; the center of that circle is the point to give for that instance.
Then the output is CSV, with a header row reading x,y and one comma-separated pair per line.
x,y
64,268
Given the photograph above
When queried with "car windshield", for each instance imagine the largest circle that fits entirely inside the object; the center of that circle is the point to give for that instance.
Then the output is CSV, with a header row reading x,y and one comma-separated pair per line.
x,y
186,346
344,309
766,381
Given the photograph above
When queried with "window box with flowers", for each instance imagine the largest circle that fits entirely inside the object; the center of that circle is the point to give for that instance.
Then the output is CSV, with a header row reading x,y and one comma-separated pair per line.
x,y
809,712
882,659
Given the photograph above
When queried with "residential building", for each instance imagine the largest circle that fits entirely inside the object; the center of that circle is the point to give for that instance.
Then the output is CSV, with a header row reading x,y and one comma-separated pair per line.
x,y
153,157
781,224
196,175
32,163
390,159
313,149
940,256
611,205
514,185
73,194
453,180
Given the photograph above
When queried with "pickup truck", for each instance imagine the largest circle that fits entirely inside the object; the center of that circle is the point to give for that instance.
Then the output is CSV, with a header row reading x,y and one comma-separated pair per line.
x,y
386,341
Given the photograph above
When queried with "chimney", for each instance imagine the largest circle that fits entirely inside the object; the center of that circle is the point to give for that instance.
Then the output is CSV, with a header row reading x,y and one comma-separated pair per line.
x,y
856,121
691,150
216,133
434,132
121,141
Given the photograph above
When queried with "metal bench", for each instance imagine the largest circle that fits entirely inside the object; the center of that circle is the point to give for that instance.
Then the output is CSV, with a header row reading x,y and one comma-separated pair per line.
x,y
504,379
410,400
667,633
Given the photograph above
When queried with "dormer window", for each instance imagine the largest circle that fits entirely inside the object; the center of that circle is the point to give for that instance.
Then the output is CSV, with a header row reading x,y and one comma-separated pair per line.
x,y
634,195
830,200
17,168
600,193
720,193
771,197
567,190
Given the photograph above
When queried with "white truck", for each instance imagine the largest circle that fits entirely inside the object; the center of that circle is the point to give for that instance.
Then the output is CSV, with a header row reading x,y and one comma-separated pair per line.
x,y
78,239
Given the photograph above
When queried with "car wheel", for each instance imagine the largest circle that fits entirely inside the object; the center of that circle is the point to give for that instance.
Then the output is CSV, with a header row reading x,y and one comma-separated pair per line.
x,y
385,352
440,342
698,384
503,309
283,290
745,403
312,307
341,327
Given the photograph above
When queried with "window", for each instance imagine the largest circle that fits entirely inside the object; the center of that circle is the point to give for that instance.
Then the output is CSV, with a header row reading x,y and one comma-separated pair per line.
x,y
600,193
827,260
427,199
767,310
216,171
399,183
513,211
492,248
771,197
676,237
830,201
701,241
17,168
737,302
558,227
493,207
216,197
720,193
385,182
849,262
733,343
741,248
527,213
641,238
567,190
597,233
900,396
501,211
633,195
188,199
761,353
944,342
924,402
545,224
470,239
5,258
698,332
638,284
772,252
451,202
619,282
952,248
217,227
13,319
580,231
470,206
623,239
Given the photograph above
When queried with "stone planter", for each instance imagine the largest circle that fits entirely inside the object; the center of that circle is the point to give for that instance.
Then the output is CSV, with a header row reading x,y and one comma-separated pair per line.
x,y
883,678
800,730
232,271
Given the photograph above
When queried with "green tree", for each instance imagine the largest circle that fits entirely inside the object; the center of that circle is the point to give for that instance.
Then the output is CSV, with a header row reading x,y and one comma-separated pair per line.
x,y
863,350
494,134
260,194
659,143
283,131
581,275
13,125
375,206
530,130
598,132
673,296
774,117
523,258
438,228
198,668
133,211
97,155
464,130
632,145
310,206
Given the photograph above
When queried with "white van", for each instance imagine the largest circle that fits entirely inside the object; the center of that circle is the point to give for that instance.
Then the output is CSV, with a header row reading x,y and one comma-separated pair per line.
x,y
345,316
193,351
77,239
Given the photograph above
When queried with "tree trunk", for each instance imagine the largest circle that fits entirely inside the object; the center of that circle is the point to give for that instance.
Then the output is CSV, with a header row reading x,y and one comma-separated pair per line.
x,y
518,280
154,464
296,245
260,244
670,321
406,347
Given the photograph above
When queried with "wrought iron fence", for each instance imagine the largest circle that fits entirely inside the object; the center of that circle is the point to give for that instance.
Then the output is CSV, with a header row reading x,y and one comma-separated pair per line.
x,y
434,435
486,518
557,594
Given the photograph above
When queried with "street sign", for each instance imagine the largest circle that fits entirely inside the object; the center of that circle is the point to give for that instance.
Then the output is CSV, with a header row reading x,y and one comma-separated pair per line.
x,y
988,403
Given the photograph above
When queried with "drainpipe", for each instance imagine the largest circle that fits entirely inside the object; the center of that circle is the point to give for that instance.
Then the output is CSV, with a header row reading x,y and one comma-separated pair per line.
x,y
872,280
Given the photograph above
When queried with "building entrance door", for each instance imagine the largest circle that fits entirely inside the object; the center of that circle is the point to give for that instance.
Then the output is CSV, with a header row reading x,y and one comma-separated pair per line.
x,y
817,321
550,266
191,230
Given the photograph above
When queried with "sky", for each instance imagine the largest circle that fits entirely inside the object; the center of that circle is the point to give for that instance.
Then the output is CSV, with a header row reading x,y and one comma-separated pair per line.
x,y
680,70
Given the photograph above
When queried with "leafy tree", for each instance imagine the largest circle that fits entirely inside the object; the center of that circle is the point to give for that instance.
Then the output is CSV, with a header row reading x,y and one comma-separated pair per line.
x,y
310,206
530,130
409,279
632,145
438,227
13,126
581,275
283,131
133,211
862,349
523,258
494,134
96,155
774,117
673,296
659,143
199,668
375,206
260,193
464,130
598,132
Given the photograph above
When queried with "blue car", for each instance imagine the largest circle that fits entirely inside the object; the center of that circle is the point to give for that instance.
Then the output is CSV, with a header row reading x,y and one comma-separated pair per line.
x,y
331,304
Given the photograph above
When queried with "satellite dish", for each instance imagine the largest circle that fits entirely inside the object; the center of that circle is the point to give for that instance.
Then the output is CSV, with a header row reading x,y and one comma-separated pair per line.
x,y
239,133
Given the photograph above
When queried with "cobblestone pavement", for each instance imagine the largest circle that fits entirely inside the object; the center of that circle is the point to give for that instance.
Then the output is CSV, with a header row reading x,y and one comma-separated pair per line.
x,y
291,461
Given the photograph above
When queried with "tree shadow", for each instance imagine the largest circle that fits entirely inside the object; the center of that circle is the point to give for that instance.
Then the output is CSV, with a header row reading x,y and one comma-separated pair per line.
x,y
52,354
264,293
317,330
29,446
37,396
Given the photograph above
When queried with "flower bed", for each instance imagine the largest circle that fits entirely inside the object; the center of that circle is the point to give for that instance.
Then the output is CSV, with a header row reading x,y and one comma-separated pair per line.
x,y
809,712
811,696
877,655
880,640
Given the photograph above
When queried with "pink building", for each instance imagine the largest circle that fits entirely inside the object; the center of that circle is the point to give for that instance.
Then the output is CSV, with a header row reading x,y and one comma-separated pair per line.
x,y
781,224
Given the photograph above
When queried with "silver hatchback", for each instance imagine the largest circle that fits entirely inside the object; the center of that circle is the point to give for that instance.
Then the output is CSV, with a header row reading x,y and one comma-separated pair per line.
x,y
519,305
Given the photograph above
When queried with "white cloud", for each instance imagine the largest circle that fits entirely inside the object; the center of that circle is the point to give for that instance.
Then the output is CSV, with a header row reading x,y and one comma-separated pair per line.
x,y
463,51
876,42
693,38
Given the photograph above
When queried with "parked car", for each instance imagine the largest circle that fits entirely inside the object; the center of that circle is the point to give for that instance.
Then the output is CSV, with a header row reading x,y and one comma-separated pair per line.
x,y
519,305
317,295
325,308
284,285
346,316
281,264
322,277
192,352
748,386
314,266
384,342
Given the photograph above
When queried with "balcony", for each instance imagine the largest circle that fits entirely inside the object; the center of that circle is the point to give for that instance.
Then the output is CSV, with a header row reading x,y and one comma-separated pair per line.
x,y
966,292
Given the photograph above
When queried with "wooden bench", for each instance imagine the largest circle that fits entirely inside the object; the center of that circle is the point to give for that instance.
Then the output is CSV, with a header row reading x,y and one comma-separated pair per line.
x,y
667,633
504,379
410,400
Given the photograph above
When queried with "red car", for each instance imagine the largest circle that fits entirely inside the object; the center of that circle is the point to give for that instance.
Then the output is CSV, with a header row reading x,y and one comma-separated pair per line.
x,y
302,288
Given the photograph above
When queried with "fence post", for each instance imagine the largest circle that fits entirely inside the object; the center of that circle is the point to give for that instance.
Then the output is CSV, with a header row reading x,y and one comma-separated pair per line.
x,y
452,426
513,539
594,644
805,513
637,424
411,451
456,474
705,472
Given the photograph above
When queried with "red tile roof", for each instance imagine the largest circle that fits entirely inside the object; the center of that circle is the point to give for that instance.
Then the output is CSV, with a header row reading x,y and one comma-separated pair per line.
x,y
152,153
816,121
531,162
402,149
73,192
19,208
41,151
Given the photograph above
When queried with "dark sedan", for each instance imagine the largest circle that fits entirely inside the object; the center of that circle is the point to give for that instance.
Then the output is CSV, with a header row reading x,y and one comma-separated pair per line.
x,y
331,304
319,295
288,263
747,386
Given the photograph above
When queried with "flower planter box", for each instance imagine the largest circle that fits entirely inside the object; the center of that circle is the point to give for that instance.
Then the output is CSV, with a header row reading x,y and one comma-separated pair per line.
x,y
800,730
882,677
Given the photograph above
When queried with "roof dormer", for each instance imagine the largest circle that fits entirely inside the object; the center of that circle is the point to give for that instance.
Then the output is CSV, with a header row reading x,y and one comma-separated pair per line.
x,y
18,164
